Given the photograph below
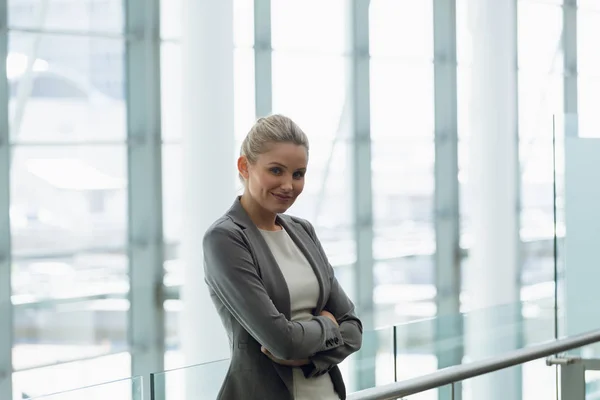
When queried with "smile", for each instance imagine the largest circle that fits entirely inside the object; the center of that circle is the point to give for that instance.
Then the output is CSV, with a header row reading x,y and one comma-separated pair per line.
x,y
282,197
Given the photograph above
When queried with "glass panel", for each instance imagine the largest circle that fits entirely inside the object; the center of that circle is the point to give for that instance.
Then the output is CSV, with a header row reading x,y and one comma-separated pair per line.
x,y
403,192
74,93
442,393
129,389
373,365
401,92
171,94
588,29
172,175
68,221
77,15
327,25
171,14
201,382
243,21
530,381
577,167
47,333
324,200
512,327
592,385
588,5
243,96
401,28
59,378
539,30
589,98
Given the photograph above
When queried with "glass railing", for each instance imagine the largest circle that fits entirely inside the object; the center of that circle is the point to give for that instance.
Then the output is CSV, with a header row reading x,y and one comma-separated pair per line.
x,y
396,353
203,380
126,389
527,374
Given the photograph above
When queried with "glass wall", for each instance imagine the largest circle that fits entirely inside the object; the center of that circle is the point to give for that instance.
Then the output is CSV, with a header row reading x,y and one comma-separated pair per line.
x,y
68,206
402,140
69,159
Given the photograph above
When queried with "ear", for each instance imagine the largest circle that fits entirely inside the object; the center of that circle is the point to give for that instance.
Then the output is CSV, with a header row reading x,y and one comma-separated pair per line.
x,y
242,164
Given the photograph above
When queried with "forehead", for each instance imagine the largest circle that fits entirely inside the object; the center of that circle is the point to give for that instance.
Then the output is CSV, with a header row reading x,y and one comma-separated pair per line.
x,y
288,154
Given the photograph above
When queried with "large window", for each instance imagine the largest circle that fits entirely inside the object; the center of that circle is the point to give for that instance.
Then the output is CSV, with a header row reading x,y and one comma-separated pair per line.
x,y
70,150
402,137
540,97
68,190
589,68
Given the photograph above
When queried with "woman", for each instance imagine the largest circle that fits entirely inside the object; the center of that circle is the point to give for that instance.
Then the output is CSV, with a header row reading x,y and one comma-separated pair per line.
x,y
288,320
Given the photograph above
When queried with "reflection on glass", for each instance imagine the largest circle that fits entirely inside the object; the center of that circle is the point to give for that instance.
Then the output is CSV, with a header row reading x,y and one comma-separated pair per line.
x,y
129,389
68,221
74,91
60,378
442,393
202,382
75,15
530,381
46,333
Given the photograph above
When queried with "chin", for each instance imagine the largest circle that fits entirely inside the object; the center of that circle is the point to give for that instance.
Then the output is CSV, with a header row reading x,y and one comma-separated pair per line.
x,y
279,209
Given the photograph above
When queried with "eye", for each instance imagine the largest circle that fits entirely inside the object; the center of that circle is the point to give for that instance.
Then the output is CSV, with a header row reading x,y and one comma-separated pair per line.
x,y
275,170
299,174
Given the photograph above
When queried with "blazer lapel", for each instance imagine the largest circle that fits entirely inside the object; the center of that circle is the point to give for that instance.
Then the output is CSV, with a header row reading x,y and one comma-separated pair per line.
x,y
271,275
267,267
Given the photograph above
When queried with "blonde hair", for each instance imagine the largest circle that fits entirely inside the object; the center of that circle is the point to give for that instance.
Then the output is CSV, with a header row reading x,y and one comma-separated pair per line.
x,y
275,128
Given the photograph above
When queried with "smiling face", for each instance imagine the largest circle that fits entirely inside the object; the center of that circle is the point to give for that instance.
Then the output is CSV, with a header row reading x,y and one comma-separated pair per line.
x,y
276,179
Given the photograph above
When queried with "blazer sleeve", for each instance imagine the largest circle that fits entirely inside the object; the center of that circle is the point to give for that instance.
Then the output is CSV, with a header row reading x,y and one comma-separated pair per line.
x,y
350,326
230,272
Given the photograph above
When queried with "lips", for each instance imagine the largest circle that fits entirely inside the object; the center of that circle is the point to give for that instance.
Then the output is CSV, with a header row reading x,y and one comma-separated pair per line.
x,y
282,197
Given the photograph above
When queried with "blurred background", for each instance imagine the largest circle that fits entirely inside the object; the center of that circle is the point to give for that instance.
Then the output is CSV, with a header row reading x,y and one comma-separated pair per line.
x,y
69,100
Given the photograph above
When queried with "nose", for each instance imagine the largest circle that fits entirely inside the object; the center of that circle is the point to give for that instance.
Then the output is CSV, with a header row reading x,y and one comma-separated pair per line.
x,y
287,184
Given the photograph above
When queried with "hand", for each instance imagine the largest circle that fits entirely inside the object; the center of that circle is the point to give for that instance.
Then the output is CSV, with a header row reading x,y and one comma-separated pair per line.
x,y
330,316
287,363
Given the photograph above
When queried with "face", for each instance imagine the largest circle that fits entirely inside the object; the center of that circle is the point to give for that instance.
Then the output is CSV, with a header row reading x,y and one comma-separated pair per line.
x,y
276,179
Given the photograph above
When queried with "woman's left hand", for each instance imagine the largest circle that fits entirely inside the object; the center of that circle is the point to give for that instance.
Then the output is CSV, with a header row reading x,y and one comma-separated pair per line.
x,y
287,363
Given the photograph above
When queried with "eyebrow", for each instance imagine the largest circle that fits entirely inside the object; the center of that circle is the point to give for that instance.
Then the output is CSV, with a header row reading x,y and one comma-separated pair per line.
x,y
283,166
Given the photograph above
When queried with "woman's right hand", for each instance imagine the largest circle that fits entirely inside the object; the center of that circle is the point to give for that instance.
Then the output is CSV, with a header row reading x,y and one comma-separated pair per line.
x,y
329,315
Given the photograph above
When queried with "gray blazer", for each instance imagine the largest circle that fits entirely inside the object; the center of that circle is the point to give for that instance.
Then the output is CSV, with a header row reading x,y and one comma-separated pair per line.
x,y
253,301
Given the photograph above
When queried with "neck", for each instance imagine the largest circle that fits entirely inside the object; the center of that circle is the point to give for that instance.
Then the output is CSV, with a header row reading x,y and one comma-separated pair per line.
x,y
262,218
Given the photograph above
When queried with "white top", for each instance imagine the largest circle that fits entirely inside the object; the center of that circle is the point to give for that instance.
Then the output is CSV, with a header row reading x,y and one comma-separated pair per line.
x,y
304,295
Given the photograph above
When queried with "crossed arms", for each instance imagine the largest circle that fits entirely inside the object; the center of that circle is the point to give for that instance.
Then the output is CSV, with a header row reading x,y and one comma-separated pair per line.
x,y
316,345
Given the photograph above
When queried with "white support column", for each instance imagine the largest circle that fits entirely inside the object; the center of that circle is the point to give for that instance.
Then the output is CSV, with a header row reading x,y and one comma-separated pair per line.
x,y
359,124
493,274
263,67
208,166
146,312
447,256
6,309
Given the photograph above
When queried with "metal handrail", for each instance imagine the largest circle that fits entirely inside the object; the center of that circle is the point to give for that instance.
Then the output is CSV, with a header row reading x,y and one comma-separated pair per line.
x,y
462,372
